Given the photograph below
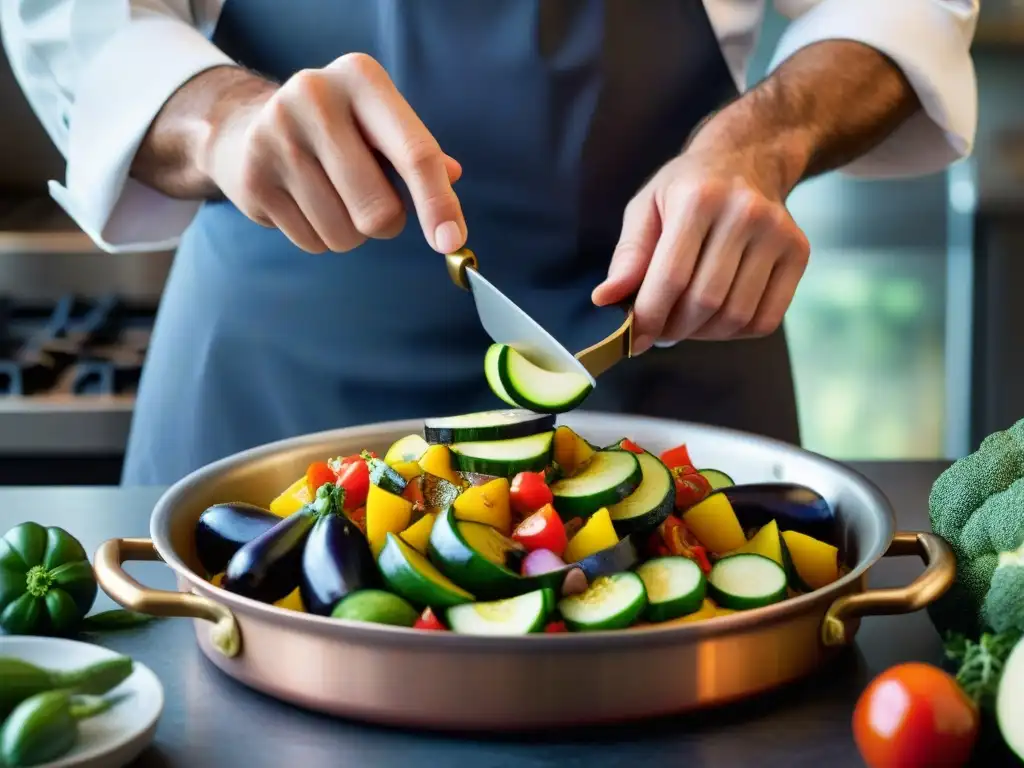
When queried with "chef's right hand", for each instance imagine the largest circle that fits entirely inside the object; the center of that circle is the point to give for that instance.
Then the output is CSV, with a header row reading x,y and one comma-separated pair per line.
x,y
300,157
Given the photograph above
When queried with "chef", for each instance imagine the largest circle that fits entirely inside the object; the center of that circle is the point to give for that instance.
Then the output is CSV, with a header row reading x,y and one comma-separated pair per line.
x,y
311,161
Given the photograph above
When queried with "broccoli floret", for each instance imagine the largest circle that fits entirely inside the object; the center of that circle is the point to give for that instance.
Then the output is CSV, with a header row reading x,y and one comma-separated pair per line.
x,y
977,505
1004,604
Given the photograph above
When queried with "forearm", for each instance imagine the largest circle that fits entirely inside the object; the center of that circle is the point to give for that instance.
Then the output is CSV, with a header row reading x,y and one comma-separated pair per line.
x,y
825,106
171,157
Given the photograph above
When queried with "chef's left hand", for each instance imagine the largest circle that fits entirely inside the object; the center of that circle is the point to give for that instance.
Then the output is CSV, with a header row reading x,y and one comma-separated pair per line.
x,y
710,246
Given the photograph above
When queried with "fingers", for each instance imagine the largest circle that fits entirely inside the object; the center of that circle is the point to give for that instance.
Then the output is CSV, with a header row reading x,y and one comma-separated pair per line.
x,y
331,216
777,297
688,218
284,213
391,127
641,225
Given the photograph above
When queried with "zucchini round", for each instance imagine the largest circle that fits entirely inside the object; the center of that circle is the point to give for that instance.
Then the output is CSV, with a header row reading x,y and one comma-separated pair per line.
x,y
513,616
675,587
746,581
533,387
408,448
652,501
504,458
487,425
611,602
608,478
716,478
410,575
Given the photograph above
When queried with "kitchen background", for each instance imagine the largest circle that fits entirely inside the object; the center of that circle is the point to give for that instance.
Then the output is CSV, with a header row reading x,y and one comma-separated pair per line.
x,y
902,332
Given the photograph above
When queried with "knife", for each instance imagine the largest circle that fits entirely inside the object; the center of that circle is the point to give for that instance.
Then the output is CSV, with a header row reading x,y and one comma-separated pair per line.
x,y
507,323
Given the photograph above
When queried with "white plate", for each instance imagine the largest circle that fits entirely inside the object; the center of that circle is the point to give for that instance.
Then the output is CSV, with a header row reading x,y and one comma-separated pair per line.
x,y
111,739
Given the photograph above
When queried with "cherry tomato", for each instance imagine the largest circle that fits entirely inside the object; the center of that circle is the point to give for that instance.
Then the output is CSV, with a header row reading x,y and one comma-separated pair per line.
x,y
915,715
691,487
556,627
529,492
428,620
317,474
354,477
677,457
543,529
628,445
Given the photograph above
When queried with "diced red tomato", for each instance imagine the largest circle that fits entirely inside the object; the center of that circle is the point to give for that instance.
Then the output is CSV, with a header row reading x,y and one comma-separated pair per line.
x,y
414,491
677,457
354,477
691,487
529,493
358,516
317,474
555,627
628,445
543,529
428,620
673,538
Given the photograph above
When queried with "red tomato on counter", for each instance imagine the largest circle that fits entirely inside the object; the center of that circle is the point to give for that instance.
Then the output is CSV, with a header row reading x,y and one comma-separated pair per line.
x,y
912,716
529,492
543,529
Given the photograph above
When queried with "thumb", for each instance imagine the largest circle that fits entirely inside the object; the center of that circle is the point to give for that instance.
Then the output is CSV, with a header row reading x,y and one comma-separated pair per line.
x,y
641,226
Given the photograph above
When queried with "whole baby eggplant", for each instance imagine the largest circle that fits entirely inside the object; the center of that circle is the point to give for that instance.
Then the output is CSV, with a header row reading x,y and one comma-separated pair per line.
x,y
337,558
268,567
794,507
223,529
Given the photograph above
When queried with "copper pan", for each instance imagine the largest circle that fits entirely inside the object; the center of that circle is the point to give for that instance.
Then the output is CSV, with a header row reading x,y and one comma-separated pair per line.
x,y
439,680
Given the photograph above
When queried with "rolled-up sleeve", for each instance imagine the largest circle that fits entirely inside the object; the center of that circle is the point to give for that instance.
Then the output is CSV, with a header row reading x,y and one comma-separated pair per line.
x,y
930,41
97,72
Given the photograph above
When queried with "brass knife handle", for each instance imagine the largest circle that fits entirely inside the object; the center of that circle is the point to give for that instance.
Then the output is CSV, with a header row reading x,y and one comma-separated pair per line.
x,y
458,263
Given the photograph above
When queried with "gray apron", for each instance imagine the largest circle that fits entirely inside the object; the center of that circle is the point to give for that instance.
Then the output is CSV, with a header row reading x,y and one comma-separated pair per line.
x,y
558,111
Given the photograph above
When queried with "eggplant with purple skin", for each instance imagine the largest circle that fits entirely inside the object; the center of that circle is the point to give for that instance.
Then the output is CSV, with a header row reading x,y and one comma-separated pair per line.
x,y
794,507
223,529
269,567
337,558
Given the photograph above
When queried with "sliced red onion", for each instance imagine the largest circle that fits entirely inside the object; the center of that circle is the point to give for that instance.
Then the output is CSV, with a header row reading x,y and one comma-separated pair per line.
x,y
541,561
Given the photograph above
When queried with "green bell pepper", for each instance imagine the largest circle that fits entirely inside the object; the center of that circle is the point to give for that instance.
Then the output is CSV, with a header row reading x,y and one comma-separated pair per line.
x,y
47,585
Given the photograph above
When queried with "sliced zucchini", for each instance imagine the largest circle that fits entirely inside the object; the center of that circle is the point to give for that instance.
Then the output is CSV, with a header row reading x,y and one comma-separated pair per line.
x,y
611,602
533,387
504,458
608,478
746,581
652,501
514,616
716,478
410,575
408,448
494,377
487,425
384,476
476,556
675,587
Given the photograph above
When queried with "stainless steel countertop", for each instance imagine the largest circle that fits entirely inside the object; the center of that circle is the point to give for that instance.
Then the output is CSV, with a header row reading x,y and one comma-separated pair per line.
x,y
210,720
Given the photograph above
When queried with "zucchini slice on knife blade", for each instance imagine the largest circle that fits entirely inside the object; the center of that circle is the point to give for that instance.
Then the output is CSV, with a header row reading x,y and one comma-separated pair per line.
x,y
487,425
504,458
608,478
516,380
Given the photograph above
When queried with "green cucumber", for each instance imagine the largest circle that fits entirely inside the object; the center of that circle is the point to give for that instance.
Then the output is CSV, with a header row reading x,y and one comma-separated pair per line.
x,y
716,478
504,458
494,377
410,575
475,556
408,448
487,425
376,607
533,387
608,478
611,602
385,477
652,501
519,615
745,581
675,587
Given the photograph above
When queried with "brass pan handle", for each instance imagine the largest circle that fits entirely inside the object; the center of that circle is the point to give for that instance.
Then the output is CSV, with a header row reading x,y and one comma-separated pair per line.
x,y
938,576
126,591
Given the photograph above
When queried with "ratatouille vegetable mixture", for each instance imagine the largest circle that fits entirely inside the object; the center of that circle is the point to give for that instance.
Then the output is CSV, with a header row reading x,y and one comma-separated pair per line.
x,y
501,523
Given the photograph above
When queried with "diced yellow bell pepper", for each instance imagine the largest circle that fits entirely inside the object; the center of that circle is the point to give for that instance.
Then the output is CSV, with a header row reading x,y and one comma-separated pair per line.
x,y
408,469
572,452
418,534
294,498
385,513
715,525
597,534
291,602
437,461
766,542
487,503
815,562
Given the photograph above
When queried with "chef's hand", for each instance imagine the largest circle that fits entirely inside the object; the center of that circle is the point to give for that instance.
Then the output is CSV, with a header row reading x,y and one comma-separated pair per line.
x,y
710,246
300,157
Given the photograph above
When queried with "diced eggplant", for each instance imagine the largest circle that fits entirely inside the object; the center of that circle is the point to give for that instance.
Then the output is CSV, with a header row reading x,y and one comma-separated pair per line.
x,y
223,529
622,557
269,567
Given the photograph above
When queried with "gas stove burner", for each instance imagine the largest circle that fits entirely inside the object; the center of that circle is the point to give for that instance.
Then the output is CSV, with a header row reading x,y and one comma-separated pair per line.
x,y
72,346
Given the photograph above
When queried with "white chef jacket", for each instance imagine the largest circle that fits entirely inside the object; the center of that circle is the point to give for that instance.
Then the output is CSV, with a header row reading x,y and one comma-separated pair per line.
x,y
96,72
